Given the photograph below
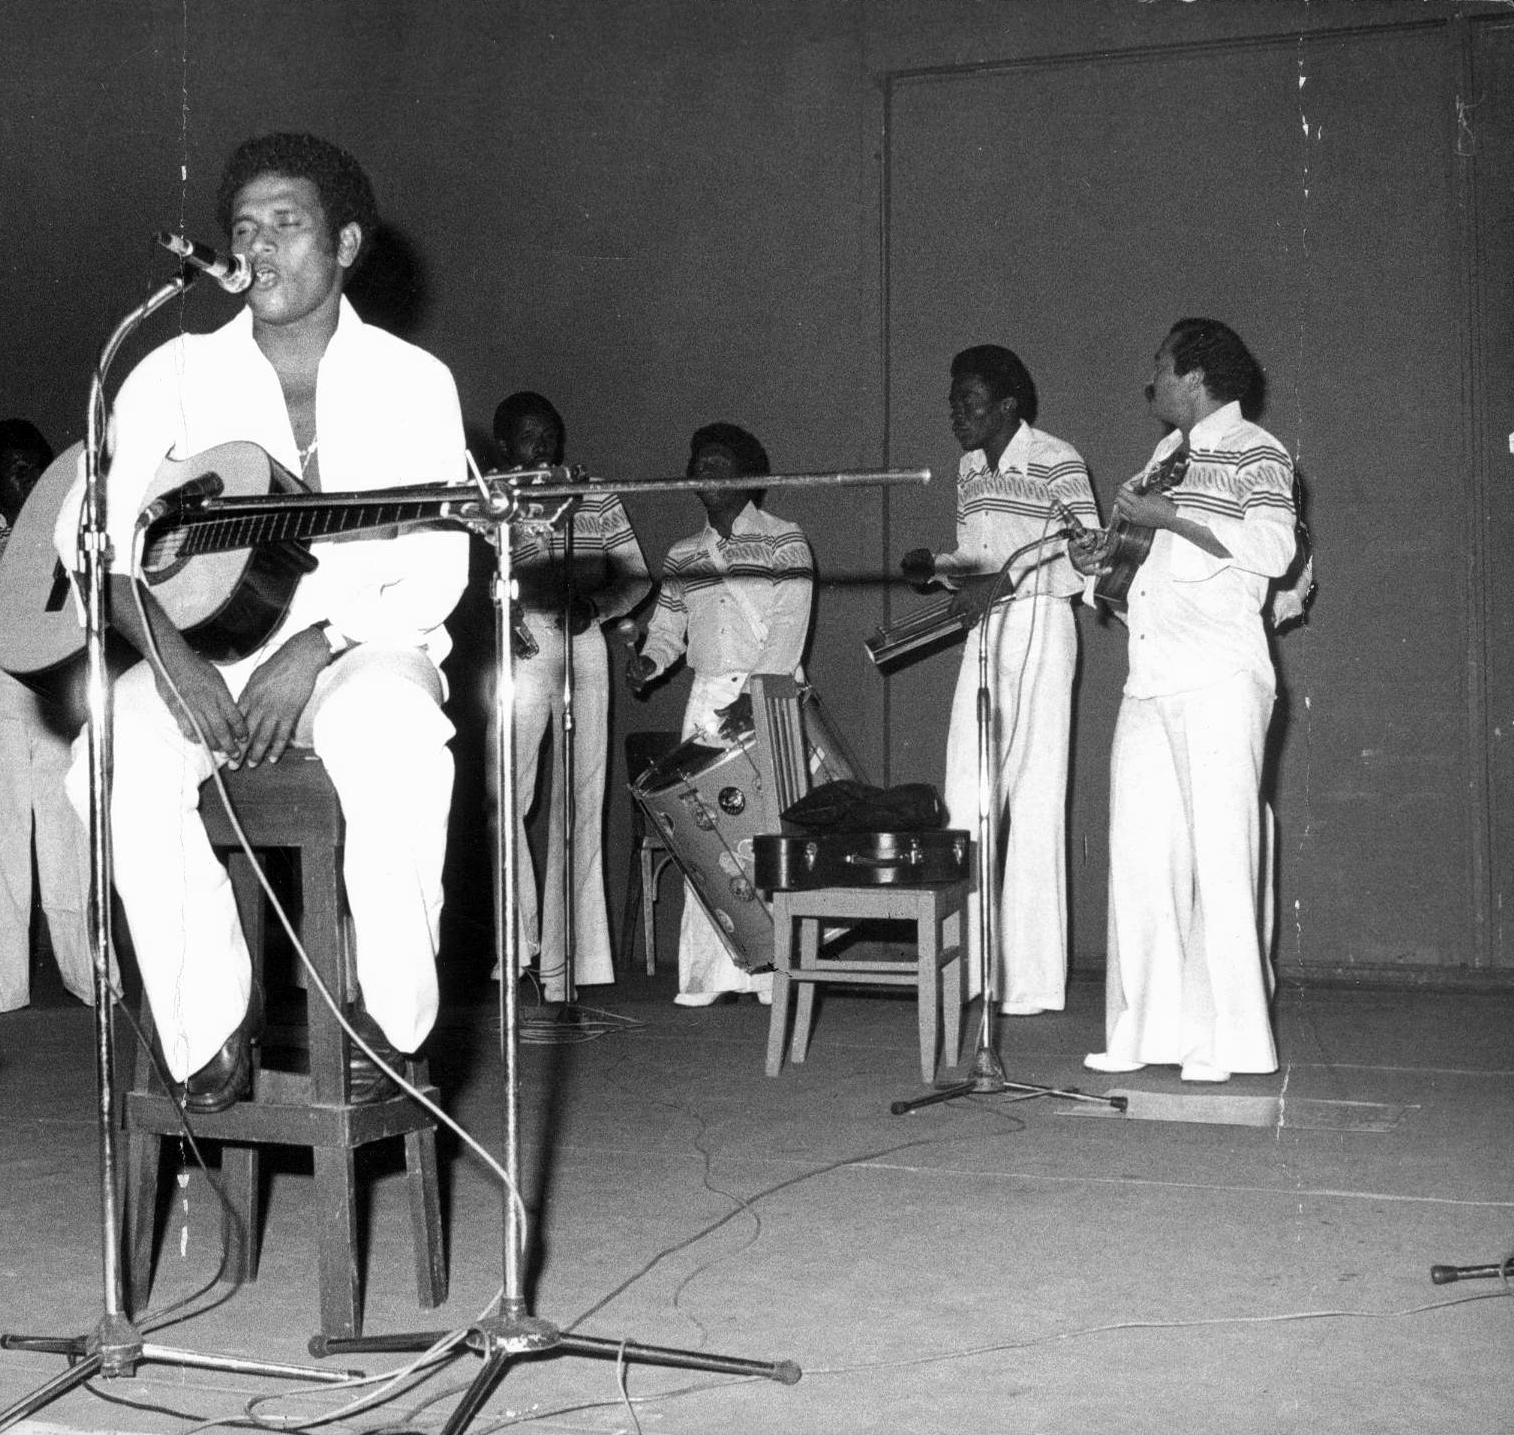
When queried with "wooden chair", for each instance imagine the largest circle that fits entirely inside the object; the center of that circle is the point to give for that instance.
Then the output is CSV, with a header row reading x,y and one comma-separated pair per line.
x,y
291,804
939,916
938,912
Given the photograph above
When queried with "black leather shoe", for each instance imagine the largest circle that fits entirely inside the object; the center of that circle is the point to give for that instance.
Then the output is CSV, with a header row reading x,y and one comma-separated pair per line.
x,y
366,1081
227,1077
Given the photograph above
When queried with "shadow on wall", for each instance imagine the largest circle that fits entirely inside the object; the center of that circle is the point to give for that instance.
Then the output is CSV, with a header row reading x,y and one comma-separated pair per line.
x,y
390,288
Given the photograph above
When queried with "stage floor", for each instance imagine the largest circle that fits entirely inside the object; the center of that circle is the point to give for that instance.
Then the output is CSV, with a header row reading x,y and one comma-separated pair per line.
x,y
1250,1257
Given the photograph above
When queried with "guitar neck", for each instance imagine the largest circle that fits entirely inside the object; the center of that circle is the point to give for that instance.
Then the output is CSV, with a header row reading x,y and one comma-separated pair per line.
x,y
218,525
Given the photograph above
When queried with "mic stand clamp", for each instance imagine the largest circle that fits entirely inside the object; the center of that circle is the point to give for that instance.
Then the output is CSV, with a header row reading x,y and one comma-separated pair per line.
x,y
987,1076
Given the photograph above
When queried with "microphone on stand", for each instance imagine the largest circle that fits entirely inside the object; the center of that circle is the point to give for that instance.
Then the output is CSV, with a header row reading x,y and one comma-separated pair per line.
x,y
231,271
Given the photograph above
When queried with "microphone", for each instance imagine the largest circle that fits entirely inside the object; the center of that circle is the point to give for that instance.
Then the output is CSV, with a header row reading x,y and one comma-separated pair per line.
x,y
231,271
182,500
1073,527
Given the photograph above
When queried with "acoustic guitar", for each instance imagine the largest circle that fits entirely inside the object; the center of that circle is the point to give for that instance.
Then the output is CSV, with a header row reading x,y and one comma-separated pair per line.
x,y
1130,543
225,547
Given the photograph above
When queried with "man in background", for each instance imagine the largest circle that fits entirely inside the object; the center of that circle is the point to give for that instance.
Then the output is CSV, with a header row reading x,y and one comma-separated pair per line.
x,y
34,812
736,598
561,606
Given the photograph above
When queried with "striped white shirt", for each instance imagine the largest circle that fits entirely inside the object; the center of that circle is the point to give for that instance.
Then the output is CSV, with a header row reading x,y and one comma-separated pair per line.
x,y
607,561
1004,508
1195,619
737,605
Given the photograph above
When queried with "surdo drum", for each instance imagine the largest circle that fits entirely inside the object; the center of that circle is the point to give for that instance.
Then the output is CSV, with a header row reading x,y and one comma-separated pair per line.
x,y
709,803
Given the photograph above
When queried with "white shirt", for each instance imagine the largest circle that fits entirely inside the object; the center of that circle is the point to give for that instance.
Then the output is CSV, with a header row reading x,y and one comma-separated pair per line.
x,y
1195,619
739,605
387,413
1004,508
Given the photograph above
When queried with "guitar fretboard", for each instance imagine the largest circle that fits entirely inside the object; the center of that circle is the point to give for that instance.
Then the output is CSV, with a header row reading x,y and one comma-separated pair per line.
x,y
297,518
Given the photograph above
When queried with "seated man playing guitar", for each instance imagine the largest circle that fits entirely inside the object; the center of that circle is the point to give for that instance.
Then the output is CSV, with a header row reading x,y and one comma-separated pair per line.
x,y
352,670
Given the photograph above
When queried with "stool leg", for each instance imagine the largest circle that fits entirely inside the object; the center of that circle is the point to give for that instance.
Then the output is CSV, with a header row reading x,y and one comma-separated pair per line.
x,y
804,1010
426,1217
649,879
143,1149
240,1170
928,983
951,980
322,933
336,1204
625,950
783,986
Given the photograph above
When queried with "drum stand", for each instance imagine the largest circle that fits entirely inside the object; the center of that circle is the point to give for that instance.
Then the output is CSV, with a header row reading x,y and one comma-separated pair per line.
x,y
987,1077
115,1348
514,1331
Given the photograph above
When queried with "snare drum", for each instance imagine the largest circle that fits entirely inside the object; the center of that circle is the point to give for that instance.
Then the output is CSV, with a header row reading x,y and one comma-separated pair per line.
x,y
709,804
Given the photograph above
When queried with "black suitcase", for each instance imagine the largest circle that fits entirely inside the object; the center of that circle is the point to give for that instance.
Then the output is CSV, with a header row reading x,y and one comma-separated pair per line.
x,y
861,859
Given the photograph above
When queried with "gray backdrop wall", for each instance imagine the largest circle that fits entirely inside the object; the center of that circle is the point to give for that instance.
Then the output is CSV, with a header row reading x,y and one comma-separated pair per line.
x,y
791,214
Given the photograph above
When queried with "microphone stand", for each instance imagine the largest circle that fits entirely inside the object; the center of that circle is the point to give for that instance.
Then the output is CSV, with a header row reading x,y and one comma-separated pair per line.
x,y
987,1076
115,1348
514,1332
569,1015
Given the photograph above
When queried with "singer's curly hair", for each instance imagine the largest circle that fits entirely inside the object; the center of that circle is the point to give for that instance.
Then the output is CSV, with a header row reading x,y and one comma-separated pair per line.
x,y
346,195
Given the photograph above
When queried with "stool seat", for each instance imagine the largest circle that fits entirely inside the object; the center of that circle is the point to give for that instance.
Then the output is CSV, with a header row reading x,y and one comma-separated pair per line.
x,y
292,805
938,913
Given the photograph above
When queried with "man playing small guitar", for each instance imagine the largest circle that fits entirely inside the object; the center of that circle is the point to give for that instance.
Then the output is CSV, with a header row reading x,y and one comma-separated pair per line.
x,y
1187,975
353,671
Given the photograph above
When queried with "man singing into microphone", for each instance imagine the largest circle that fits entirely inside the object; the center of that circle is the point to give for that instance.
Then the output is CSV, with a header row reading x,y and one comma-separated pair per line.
x,y
1010,479
353,670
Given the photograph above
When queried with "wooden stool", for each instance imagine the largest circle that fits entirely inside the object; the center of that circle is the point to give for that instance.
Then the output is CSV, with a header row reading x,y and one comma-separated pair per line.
x,y
939,913
291,804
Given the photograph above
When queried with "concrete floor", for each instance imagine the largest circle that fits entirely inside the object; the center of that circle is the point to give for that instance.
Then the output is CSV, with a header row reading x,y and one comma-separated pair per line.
x,y
979,1265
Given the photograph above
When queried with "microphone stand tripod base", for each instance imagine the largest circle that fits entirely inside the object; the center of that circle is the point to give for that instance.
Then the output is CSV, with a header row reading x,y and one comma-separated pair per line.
x,y
500,1339
987,1078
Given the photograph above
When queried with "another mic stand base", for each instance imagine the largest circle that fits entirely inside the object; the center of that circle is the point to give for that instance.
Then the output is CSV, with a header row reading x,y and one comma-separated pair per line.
x,y
115,1350
988,1079
501,1339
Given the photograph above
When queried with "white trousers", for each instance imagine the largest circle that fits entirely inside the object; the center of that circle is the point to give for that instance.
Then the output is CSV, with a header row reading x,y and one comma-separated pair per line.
x,y
1032,654
1189,975
33,809
375,720
538,709
704,960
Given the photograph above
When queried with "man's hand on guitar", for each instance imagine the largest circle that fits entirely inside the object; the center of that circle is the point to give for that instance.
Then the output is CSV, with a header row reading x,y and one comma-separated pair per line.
x,y
277,692
199,686
1149,510
1088,552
